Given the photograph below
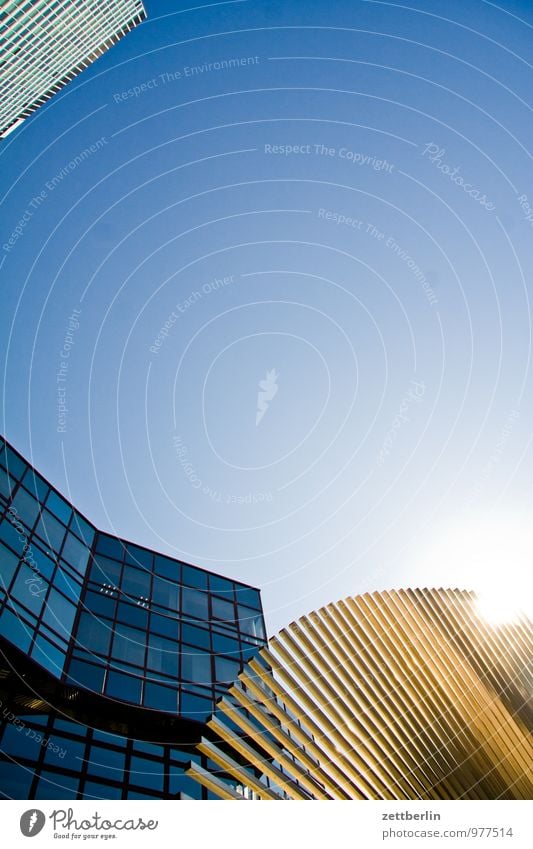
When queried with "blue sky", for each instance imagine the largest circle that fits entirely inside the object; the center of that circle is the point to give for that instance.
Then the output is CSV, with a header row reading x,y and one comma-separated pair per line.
x,y
333,200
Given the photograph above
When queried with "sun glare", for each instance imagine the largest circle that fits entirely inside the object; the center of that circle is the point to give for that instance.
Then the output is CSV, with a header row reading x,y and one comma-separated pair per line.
x,y
494,558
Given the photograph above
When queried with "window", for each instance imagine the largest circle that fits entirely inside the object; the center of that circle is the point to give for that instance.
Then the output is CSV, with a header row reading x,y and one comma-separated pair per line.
x,y
75,553
195,707
59,613
7,484
132,614
194,577
136,582
15,780
225,645
168,568
13,463
26,506
221,586
146,773
82,529
249,596
127,688
165,626
18,744
226,670
93,634
96,790
36,485
48,655
196,636
107,572
8,566
109,546
196,666
30,589
162,655
194,603
160,698
165,593
59,507
102,603
139,557
15,630
251,622
65,753
54,785
224,610
128,645
65,583
50,530
87,675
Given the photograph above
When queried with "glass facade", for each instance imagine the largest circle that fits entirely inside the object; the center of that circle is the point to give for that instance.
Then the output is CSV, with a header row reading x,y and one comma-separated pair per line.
x,y
109,620
47,44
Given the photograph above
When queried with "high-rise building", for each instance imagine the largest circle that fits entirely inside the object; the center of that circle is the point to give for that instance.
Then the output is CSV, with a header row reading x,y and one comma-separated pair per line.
x,y
407,694
112,656
45,45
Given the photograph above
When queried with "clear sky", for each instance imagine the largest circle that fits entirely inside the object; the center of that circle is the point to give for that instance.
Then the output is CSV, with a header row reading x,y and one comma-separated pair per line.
x,y
275,260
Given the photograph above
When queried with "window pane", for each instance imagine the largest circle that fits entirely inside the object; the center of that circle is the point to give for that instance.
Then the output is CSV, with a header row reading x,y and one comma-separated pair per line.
x,y
162,655
86,675
195,707
15,630
59,613
128,645
82,529
14,464
196,666
226,670
194,603
65,583
26,506
225,645
15,780
136,582
221,586
139,557
48,656
107,763
50,530
194,577
59,507
132,614
53,785
146,773
29,589
160,698
65,753
8,566
105,571
16,743
224,610
196,636
165,593
168,568
165,626
123,687
95,790
249,596
101,603
93,634
75,553
109,546
7,484
251,622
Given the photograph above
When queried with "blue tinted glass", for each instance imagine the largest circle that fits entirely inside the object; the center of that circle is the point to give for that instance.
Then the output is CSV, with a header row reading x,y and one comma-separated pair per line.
x,y
195,707
149,748
107,763
14,630
221,586
123,687
21,742
48,656
222,609
16,539
136,582
165,593
36,485
86,675
181,783
162,655
128,645
56,786
30,589
82,529
43,565
226,670
165,626
249,596
139,557
195,636
109,546
196,666
26,506
194,603
14,464
50,530
168,568
146,773
104,571
249,651
93,634
64,752
7,484
95,790
64,582
225,645
132,614
101,603
59,507
251,622
71,727
8,566
194,577
111,739
75,553
59,613
15,780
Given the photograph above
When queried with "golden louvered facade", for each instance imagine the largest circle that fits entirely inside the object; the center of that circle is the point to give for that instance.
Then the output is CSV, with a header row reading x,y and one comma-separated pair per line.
x,y
407,694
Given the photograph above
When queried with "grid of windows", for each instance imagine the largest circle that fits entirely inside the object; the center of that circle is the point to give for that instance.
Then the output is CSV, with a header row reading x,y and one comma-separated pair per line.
x,y
47,44
50,757
112,617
